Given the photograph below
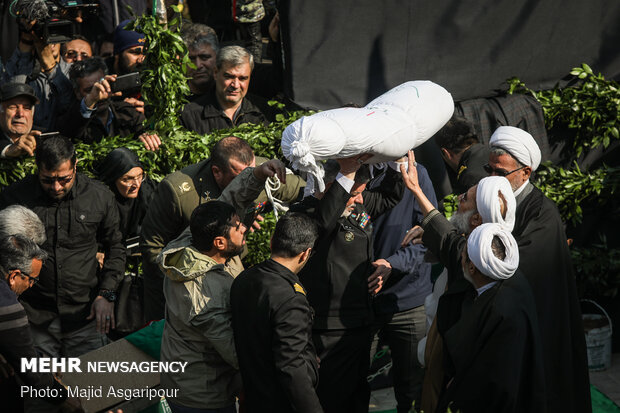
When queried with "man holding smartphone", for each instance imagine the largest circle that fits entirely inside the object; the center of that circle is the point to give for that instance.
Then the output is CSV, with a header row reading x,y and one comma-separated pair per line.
x,y
97,112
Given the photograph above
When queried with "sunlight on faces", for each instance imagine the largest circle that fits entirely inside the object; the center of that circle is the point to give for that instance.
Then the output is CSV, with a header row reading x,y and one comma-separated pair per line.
x,y
225,177
77,50
231,83
16,116
507,163
128,185
356,198
235,238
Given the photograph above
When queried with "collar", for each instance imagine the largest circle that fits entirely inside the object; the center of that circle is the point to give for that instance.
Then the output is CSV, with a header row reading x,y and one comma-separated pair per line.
x,y
523,191
485,287
281,270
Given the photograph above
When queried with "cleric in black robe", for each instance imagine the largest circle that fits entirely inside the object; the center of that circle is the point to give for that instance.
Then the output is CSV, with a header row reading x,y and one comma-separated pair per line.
x,y
546,263
124,174
494,349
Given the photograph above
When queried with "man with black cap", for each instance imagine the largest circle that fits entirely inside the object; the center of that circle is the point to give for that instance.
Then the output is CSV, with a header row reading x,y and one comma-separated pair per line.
x,y
17,138
128,50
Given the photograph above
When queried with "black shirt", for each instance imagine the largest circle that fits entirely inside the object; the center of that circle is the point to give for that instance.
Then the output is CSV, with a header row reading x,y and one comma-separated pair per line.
x,y
70,278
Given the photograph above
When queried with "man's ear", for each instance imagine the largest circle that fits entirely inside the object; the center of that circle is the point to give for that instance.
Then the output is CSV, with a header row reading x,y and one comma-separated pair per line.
x,y
445,154
12,278
305,256
475,220
527,172
220,243
217,172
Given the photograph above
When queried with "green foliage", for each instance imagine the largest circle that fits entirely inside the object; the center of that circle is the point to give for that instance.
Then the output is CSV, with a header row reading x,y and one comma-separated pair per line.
x,y
450,205
591,108
569,188
597,269
258,241
164,80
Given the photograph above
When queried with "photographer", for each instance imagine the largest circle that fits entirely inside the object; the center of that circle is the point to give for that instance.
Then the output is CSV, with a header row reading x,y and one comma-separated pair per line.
x,y
97,112
37,64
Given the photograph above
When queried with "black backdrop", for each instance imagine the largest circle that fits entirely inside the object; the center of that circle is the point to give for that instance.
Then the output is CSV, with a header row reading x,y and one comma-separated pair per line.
x,y
353,50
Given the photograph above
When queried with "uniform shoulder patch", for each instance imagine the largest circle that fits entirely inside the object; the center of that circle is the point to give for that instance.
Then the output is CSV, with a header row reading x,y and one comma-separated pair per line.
x,y
461,170
299,288
185,187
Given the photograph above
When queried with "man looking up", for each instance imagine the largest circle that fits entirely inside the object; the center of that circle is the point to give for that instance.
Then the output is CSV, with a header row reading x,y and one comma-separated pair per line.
x,y
337,277
17,103
494,349
76,50
546,263
272,322
199,271
226,104
79,215
179,194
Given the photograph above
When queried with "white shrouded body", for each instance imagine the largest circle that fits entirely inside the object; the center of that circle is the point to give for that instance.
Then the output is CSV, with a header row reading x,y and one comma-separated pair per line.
x,y
400,119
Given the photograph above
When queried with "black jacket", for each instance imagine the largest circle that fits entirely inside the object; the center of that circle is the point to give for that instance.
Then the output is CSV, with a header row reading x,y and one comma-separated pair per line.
x,y
272,323
471,168
336,277
204,114
126,120
70,279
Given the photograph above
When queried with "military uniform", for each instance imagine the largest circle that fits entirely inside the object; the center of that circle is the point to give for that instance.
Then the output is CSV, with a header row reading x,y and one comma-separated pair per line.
x,y
272,324
169,213
336,279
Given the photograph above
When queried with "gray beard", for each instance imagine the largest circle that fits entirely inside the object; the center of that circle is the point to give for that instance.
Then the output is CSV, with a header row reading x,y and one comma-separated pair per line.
x,y
461,221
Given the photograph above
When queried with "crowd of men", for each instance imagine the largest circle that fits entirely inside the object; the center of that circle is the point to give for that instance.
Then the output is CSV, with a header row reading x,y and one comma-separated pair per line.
x,y
349,271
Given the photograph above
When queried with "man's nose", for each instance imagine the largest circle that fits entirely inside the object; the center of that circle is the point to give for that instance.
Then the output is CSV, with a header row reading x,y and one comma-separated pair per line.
x,y
57,186
19,113
141,58
359,199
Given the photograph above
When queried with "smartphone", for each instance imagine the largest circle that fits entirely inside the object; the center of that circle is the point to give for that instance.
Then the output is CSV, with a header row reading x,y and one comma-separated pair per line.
x,y
125,83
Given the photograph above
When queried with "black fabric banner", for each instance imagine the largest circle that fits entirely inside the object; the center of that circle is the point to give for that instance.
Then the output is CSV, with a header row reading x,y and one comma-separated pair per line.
x,y
353,50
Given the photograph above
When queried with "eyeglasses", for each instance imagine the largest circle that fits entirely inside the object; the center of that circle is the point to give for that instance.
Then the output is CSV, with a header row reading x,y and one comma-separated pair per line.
x,y
500,172
137,179
74,54
31,279
62,180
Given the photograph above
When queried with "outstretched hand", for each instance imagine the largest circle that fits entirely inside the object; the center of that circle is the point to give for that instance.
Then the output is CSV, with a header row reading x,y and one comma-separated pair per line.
x,y
414,236
410,175
269,169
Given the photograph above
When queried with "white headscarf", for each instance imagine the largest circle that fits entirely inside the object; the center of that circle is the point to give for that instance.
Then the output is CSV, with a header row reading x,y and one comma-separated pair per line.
x,y
488,201
519,143
480,252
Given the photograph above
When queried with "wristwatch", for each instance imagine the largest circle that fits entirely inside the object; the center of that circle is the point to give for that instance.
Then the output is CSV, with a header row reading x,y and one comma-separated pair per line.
x,y
108,295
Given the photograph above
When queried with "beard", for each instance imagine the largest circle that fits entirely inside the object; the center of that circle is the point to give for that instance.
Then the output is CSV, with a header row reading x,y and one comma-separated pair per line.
x,y
232,250
461,221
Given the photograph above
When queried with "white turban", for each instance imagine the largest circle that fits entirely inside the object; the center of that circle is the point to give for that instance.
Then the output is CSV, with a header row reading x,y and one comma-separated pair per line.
x,y
519,143
480,252
488,201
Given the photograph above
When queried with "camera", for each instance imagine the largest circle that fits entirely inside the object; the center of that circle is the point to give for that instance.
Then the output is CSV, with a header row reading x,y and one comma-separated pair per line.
x,y
54,19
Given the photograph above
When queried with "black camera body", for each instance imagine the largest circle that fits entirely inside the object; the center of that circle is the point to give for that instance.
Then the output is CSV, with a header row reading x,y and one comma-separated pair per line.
x,y
55,19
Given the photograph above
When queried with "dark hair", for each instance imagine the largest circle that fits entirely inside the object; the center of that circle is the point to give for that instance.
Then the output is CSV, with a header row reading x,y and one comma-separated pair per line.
x,y
17,252
294,233
229,148
53,151
362,176
498,248
86,67
208,221
456,135
195,35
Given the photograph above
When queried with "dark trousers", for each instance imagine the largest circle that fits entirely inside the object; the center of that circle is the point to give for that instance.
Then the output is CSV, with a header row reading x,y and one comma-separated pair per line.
x,y
344,361
401,332
153,295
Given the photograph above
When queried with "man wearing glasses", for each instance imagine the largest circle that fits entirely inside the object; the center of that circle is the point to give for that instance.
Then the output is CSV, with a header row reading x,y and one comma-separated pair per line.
x,y
73,305
545,260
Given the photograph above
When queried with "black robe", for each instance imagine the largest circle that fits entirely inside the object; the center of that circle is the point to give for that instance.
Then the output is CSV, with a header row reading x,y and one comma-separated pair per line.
x,y
496,353
545,261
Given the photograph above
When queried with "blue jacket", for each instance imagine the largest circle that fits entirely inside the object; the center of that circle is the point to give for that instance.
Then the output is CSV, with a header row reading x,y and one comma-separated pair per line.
x,y
410,281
